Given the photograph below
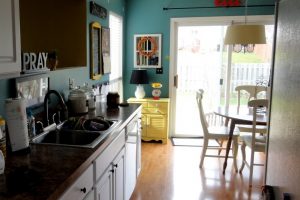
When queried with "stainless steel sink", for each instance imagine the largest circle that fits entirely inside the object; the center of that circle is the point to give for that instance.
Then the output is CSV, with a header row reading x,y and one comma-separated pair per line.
x,y
62,136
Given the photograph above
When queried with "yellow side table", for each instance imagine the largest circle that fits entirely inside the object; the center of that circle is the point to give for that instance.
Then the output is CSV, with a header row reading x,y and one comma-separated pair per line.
x,y
155,118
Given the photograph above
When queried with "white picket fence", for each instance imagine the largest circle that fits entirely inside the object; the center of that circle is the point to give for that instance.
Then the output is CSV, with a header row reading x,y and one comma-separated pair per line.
x,y
241,74
249,74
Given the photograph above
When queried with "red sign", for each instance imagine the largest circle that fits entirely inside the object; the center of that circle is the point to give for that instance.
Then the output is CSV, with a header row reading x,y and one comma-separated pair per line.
x,y
227,3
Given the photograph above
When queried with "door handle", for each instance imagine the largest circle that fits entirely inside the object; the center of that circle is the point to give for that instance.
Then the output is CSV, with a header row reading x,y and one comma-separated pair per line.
x,y
176,81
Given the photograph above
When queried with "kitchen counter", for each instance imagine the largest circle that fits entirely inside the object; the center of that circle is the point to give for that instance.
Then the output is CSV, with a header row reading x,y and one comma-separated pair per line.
x,y
48,170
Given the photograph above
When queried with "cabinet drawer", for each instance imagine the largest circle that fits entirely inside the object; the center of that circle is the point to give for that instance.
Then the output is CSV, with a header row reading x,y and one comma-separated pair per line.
x,y
156,104
157,108
81,187
104,160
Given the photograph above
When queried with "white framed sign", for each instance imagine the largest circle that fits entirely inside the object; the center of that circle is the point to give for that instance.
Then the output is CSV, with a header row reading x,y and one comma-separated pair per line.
x,y
147,50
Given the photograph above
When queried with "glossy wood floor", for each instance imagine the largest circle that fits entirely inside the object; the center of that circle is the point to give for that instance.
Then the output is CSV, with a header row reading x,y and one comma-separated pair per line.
x,y
173,173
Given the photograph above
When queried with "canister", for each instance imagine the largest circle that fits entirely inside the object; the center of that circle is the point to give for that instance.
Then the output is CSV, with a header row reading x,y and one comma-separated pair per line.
x,y
113,100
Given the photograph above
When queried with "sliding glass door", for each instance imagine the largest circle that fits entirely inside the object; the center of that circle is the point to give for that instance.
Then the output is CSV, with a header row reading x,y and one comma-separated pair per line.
x,y
199,63
200,60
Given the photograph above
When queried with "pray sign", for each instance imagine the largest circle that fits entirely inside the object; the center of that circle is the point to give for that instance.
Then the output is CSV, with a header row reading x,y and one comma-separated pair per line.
x,y
227,3
33,62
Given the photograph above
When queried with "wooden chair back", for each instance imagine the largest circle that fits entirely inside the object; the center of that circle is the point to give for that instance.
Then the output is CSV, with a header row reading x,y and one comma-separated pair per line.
x,y
252,91
257,104
204,124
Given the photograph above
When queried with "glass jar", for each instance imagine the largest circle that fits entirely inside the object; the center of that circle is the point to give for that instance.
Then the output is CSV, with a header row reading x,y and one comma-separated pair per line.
x,y
90,96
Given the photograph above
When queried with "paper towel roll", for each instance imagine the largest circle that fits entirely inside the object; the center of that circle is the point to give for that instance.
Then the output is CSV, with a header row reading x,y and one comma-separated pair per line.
x,y
17,123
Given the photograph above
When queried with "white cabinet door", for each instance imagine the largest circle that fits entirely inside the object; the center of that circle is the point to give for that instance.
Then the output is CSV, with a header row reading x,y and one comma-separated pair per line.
x,y
106,157
81,187
133,154
10,50
104,187
119,173
130,167
111,184
139,147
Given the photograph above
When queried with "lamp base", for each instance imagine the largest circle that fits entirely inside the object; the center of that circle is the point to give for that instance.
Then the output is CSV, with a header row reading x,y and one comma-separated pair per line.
x,y
139,92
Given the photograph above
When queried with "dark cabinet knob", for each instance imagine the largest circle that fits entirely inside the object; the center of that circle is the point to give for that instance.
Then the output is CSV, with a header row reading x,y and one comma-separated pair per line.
x,y
83,190
115,165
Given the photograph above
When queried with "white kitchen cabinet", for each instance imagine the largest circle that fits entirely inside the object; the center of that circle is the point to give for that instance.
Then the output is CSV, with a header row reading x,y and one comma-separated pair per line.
x,y
81,187
111,184
10,49
133,154
130,166
119,176
110,171
139,146
102,162
104,187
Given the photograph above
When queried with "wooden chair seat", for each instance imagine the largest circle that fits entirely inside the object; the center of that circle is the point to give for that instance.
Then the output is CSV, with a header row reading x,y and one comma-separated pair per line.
x,y
221,132
260,142
248,128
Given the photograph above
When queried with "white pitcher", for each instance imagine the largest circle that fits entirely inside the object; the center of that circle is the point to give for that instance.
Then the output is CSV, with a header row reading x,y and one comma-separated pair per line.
x,y
2,163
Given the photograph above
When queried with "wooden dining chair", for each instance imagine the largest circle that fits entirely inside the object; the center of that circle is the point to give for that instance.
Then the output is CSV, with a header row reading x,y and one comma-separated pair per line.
x,y
256,142
251,92
217,133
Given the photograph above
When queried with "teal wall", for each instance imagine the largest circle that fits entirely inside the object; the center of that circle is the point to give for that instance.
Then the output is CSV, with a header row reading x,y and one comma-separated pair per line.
x,y
145,17
59,80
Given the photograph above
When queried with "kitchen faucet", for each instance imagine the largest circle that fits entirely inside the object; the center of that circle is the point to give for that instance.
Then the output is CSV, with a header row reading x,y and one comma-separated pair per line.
x,y
61,102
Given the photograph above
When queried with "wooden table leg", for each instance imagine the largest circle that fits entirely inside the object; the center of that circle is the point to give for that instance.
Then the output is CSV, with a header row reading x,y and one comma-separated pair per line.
x,y
232,126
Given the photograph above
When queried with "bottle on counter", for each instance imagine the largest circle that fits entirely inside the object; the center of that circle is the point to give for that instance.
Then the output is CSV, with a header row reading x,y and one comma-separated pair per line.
x,y
90,96
31,124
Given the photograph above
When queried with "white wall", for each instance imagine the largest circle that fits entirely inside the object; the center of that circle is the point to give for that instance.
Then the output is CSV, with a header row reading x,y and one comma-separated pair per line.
x,y
283,166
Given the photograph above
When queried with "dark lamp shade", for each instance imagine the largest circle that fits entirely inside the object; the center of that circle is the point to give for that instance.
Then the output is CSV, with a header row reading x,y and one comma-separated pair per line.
x,y
139,77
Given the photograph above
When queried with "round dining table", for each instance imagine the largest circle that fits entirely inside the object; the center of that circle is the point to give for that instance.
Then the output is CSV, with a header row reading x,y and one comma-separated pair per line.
x,y
244,116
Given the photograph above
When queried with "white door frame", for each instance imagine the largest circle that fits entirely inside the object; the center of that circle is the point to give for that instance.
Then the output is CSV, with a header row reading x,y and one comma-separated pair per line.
x,y
201,21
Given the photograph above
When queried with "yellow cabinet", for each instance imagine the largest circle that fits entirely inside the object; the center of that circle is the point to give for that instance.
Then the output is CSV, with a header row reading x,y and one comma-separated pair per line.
x,y
155,118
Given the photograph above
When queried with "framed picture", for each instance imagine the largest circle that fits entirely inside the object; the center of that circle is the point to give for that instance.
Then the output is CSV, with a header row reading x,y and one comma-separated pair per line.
x,y
147,51
96,66
106,50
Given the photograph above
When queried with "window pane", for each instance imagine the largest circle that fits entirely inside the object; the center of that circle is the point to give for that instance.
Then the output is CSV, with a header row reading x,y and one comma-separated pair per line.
x,y
116,41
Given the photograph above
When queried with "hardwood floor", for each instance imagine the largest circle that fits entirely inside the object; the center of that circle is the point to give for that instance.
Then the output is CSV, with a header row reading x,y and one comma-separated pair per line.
x,y
173,173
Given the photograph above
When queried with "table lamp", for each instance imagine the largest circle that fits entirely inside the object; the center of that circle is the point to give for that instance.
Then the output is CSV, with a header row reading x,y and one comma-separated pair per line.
x,y
139,77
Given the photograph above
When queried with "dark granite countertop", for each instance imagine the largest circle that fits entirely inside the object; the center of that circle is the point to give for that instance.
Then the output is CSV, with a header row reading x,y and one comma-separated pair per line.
x,y
48,170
